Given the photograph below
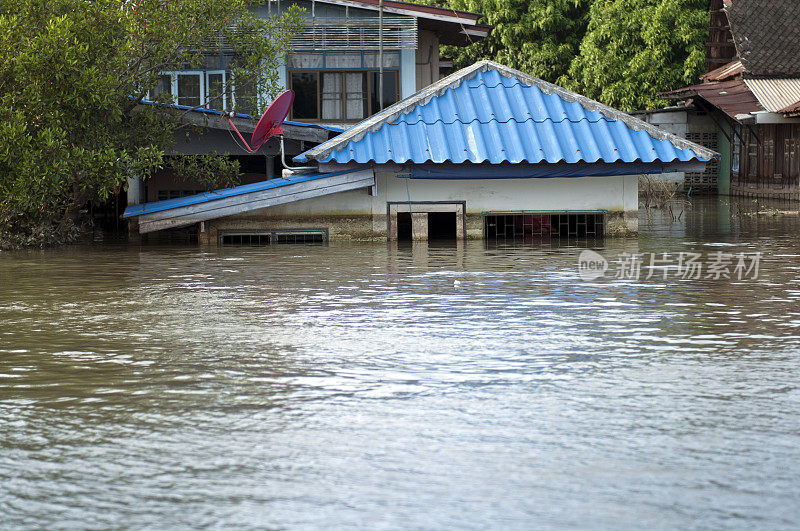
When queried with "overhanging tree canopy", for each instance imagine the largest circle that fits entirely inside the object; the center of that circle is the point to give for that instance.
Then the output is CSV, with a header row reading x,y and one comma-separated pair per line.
x,y
72,73
620,52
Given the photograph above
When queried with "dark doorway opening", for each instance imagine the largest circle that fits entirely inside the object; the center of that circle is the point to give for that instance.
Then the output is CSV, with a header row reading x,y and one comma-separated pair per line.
x,y
442,226
404,226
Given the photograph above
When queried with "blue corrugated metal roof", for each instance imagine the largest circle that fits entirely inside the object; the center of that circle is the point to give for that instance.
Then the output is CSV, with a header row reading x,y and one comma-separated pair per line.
x,y
167,204
491,113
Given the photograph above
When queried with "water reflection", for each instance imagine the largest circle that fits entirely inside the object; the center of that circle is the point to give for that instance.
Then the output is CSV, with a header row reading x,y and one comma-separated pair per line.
x,y
402,385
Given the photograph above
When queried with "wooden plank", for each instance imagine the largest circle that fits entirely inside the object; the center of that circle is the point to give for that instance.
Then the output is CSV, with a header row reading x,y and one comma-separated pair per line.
x,y
188,215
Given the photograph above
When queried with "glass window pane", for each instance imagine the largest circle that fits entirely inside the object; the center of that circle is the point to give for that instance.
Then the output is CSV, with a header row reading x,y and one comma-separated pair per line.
x,y
246,97
305,89
356,95
737,144
389,90
163,86
305,60
332,96
189,90
214,91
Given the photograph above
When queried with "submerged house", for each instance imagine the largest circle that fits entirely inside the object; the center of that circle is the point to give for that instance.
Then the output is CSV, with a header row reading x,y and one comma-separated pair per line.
x,y
750,96
487,152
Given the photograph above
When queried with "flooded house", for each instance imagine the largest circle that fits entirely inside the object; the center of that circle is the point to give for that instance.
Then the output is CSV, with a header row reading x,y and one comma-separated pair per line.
x,y
347,51
747,106
486,152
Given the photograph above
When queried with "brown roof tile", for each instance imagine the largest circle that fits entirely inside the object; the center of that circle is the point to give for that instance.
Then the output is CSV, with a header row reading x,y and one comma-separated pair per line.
x,y
767,36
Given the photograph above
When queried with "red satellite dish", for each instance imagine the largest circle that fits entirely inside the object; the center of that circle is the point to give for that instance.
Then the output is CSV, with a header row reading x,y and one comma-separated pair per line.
x,y
270,122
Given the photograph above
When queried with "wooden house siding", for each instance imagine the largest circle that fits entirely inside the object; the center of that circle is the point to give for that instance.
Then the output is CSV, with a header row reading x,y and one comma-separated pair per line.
x,y
769,164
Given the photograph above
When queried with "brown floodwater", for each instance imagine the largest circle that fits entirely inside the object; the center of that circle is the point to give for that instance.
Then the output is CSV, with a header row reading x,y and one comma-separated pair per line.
x,y
421,386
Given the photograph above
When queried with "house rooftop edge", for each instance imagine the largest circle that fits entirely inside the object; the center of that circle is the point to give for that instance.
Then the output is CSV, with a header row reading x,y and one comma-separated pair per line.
x,y
455,79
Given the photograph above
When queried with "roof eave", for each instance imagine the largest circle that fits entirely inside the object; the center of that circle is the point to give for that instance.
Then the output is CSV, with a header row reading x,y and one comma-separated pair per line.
x,y
415,10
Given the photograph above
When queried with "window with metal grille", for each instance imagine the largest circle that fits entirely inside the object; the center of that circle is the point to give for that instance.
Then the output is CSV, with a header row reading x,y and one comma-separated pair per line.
x,y
300,237
253,239
542,226
266,237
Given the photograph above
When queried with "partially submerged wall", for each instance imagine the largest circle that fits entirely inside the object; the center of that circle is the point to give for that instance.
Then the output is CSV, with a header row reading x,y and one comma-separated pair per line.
x,y
371,214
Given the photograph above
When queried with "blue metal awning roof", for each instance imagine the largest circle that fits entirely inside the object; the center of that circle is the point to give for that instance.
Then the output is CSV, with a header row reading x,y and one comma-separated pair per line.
x,y
185,211
168,204
491,113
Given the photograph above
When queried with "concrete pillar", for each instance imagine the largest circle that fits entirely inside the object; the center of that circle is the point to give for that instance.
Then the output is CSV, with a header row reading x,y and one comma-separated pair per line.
x,y
134,190
133,231
419,226
392,227
270,167
206,234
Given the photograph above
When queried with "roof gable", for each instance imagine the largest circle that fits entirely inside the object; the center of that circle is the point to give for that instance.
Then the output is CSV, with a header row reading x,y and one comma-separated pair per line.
x,y
491,113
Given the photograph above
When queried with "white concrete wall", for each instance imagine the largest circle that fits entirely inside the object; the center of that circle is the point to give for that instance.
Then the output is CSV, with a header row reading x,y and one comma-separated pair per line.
x,y
408,73
616,193
427,59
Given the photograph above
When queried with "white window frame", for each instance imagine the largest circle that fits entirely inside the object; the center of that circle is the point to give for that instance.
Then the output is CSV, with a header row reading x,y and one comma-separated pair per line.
x,y
197,73
227,76
204,96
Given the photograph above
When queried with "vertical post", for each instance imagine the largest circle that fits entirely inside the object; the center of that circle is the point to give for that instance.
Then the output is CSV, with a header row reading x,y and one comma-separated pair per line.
x,y
270,167
134,198
380,54
419,226
725,139
134,190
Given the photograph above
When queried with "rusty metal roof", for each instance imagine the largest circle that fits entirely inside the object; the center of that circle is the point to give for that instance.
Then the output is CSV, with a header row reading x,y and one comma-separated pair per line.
x,y
791,110
774,94
724,72
732,97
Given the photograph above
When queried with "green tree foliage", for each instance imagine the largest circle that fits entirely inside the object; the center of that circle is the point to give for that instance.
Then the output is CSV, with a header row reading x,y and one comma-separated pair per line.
x,y
620,52
540,37
634,49
72,73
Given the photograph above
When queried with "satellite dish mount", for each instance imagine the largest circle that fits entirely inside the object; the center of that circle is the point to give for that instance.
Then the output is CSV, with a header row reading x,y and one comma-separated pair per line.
x,y
269,125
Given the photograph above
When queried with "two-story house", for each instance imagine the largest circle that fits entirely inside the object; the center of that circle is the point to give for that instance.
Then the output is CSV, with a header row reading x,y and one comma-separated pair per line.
x,y
348,51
